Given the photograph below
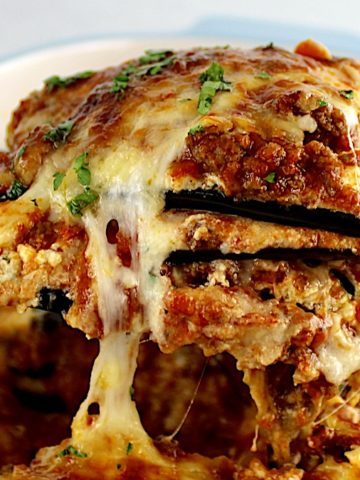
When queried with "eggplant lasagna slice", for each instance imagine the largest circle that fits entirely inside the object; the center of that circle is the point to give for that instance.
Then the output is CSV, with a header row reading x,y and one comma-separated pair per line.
x,y
206,197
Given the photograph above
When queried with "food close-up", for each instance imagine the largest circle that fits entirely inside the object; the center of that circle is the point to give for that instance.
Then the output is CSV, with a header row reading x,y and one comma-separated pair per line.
x,y
180,271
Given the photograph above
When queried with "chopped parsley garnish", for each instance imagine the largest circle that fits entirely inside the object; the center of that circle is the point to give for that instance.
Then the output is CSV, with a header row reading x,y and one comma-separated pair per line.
x,y
129,69
82,171
34,202
120,83
58,178
62,82
150,64
81,201
77,204
59,134
154,68
196,129
129,448
152,275
152,56
263,75
271,177
342,387
132,392
6,259
269,45
70,450
323,103
215,73
212,81
16,190
348,94
21,151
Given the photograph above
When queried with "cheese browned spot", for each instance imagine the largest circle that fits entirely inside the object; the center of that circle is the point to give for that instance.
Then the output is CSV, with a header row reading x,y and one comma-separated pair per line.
x,y
287,138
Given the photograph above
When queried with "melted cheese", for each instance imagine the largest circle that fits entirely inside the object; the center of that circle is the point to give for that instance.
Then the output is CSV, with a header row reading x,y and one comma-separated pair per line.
x,y
118,423
340,356
131,196
131,179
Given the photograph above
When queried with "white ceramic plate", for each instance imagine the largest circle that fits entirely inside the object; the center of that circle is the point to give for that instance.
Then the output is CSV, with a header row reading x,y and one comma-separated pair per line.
x,y
20,76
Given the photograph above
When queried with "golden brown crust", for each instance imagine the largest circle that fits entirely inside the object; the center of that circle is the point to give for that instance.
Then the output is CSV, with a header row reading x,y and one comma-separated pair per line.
x,y
51,105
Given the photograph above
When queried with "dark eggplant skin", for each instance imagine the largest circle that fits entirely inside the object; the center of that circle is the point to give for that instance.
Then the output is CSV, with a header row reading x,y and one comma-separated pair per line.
x,y
308,255
54,300
290,215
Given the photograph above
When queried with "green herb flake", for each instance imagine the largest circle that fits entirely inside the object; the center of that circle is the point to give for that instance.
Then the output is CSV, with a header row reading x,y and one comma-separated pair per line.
x,y
129,448
196,129
62,82
59,134
207,93
263,75
54,81
132,392
81,201
269,46
82,171
129,70
152,56
348,94
214,73
342,387
271,178
152,275
154,68
120,83
150,64
6,259
34,201
58,178
80,161
323,103
84,176
82,75
212,81
185,100
21,151
70,450
16,190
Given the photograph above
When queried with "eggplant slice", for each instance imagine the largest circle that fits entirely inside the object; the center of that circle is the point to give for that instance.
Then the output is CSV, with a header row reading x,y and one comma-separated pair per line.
x,y
290,215
305,254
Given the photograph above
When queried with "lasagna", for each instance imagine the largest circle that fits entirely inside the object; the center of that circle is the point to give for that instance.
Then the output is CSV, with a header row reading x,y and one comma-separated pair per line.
x,y
204,203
